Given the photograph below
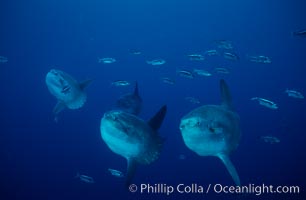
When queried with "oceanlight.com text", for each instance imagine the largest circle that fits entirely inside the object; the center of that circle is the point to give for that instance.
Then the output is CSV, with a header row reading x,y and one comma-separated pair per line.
x,y
195,188
256,189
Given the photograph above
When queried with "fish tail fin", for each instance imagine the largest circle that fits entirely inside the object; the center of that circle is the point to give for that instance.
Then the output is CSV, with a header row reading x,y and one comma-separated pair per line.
x,y
230,168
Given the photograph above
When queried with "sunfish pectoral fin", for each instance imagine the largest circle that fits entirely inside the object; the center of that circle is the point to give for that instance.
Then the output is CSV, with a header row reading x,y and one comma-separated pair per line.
x,y
156,121
230,168
85,83
59,107
131,169
226,97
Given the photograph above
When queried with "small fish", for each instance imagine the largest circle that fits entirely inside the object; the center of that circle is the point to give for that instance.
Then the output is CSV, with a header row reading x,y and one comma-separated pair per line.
x,y
156,62
135,52
168,80
270,139
294,94
181,157
201,72
85,178
300,33
116,173
3,59
230,56
106,60
198,57
211,52
265,102
224,44
222,70
259,59
185,73
121,83
192,100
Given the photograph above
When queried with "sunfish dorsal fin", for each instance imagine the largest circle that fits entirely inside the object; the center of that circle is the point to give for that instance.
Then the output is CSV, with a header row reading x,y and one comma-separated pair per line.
x,y
85,83
131,169
226,97
136,92
230,168
156,121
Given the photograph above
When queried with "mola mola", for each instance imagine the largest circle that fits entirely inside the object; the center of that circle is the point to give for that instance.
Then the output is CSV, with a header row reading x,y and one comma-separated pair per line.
x,y
131,137
66,89
213,130
131,102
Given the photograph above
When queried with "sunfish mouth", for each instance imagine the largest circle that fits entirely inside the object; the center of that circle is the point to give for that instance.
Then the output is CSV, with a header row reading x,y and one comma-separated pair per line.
x,y
66,89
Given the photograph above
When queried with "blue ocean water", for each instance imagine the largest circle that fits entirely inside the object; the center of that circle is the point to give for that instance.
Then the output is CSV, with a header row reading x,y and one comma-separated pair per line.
x,y
40,158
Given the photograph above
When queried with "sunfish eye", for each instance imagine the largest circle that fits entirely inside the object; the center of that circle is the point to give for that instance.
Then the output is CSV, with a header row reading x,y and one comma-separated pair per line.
x,y
211,129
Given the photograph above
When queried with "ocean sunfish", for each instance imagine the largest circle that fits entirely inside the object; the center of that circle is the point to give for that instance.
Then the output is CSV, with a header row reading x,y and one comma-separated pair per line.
x,y
213,130
131,137
131,102
66,89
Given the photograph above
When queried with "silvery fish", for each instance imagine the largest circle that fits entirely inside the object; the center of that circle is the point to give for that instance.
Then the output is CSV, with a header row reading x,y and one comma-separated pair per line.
x,y
265,102
85,178
106,60
294,94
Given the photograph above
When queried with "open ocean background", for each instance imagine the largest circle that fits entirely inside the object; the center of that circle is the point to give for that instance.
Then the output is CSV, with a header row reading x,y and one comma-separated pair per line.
x,y
40,158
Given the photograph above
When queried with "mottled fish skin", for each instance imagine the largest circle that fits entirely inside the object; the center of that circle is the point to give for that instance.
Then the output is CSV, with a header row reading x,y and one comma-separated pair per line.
x,y
213,130
66,90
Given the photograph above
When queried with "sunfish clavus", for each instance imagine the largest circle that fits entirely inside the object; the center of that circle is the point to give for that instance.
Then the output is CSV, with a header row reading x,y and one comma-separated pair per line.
x,y
213,130
66,89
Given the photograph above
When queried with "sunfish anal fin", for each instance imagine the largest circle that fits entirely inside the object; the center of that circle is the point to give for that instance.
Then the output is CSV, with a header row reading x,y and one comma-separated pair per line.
x,y
226,97
156,121
58,107
230,168
131,169
85,83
